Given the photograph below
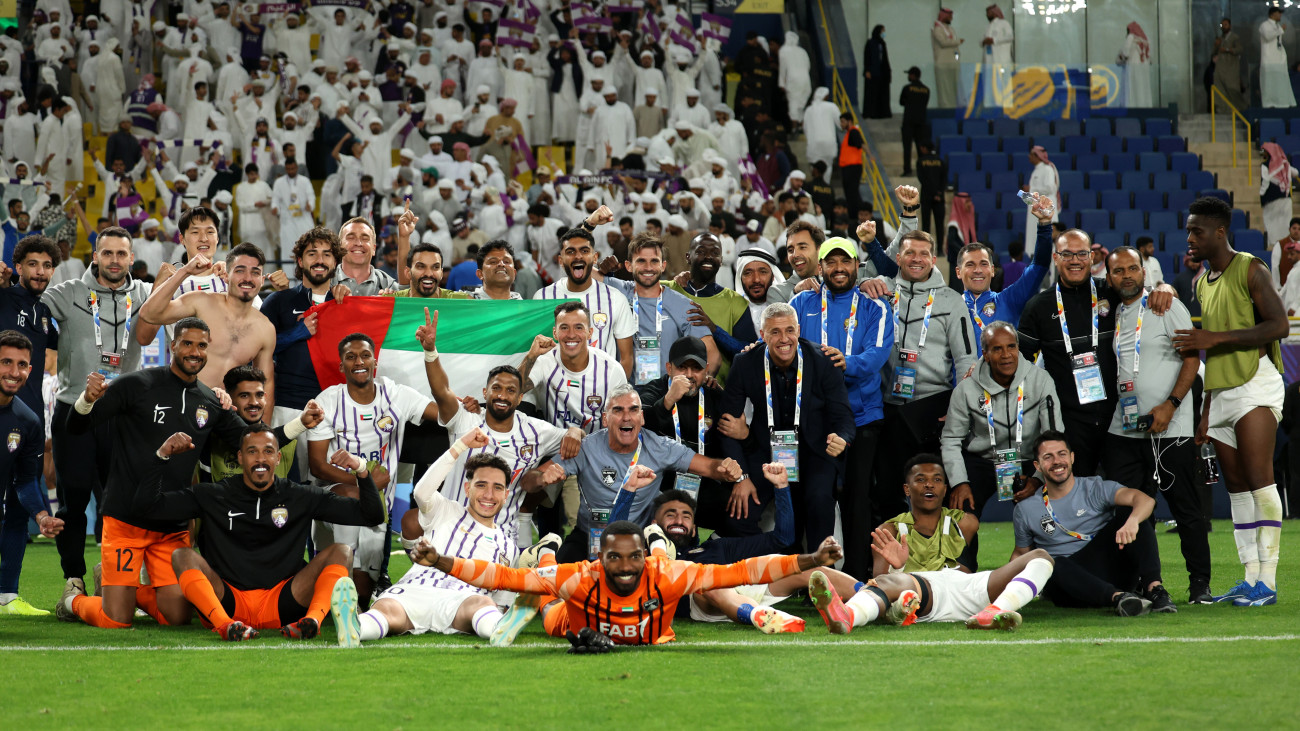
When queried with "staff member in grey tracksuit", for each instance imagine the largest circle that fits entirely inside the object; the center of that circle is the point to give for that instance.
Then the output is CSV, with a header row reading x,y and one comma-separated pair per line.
x,y
934,345
98,316
993,416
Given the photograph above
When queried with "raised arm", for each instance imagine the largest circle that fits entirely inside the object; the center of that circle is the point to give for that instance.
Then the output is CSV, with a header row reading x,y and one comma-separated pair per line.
x,y
160,308
760,570
439,385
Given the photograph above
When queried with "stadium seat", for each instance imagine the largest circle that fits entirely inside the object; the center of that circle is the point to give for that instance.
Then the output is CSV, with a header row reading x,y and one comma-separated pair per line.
x,y
1000,239
1089,162
1130,222
1006,127
1162,220
1067,128
1247,239
1080,199
1097,127
1049,143
983,200
1270,130
1094,220
1077,145
1173,241
975,127
1179,200
1170,144
1291,142
1021,165
961,162
972,181
1153,162
1121,162
980,145
1007,184
1128,127
1135,181
1109,239
1167,181
1108,145
949,144
1116,200
1200,180
1102,180
1016,145
1071,180
1294,126
944,127
1018,220
1240,219
1171,262
1185,162
1295,160
1038,127
1137,145
1158,127
994,162
1149,200
992,220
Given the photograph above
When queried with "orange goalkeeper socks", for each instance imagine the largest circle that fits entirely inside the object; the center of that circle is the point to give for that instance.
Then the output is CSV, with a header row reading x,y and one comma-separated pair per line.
x,y
198,591
91,611
324,589
146,598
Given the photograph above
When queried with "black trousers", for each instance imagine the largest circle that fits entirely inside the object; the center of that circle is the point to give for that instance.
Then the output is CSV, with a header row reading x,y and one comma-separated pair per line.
x,y
897,445
1133,463
1087,438
913,135
851,175
1091,577
80,466
855,501
932,214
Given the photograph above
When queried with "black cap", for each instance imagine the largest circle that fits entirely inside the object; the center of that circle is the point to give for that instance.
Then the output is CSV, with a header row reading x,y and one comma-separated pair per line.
x,y
914,70
688,348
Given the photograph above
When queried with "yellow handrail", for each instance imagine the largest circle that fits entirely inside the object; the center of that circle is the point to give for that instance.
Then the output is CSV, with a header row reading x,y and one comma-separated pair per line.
x,y
884,201
1214,137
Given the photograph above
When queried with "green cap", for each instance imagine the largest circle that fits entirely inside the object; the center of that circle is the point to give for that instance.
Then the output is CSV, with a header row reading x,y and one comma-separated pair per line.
x,y
834,243
431,170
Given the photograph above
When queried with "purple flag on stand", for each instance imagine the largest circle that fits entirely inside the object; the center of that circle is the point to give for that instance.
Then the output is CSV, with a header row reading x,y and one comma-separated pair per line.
x,y
526,160
519,25
681,40
749,171
650,27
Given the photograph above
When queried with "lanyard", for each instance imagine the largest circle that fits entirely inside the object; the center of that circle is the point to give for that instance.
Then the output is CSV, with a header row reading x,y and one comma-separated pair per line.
x,y
659,311
1052,514
1065,327
699,425
126,325
1137,339
849,326
798,386
636,457
972,304
1020,416
925,322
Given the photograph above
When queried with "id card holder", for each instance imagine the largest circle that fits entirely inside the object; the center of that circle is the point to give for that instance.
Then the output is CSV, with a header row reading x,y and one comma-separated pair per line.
x,y
647,359
785,449
905,374
599,520
1007,468
1087,379
110,365
1128,406
689,484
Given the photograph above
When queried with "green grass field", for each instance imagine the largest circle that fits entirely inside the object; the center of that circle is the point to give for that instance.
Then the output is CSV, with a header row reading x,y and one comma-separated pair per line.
x,y
1215,665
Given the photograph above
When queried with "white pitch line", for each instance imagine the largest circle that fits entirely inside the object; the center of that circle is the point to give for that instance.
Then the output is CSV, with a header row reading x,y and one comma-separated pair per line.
x,y
255,646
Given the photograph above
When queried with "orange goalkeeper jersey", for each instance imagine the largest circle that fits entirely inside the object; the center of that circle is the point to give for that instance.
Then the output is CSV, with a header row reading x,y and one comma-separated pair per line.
x,y
646,616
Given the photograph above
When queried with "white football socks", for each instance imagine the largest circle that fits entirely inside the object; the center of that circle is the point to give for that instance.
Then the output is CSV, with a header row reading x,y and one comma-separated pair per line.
x,y
1027,585
524,530
1244,533
485,621
865,607
1268,516
373,626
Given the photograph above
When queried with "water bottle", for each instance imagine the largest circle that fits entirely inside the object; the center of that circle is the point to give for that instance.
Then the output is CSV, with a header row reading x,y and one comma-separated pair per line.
x,y
1027,198
1211,462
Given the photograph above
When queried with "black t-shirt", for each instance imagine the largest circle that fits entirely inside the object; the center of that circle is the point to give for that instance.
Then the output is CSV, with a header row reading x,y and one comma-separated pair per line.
x,y
1040,330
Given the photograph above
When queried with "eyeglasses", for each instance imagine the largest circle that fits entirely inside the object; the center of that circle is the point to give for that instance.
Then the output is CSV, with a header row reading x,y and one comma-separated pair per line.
x,y
1068,255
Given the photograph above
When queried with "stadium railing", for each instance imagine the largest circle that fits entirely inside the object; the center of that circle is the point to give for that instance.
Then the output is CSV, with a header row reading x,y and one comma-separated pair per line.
x,y
1217,97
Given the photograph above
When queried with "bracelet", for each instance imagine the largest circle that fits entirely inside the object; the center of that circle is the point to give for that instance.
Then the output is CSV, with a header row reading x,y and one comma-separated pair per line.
x,y
911,209
83,406
430,356
160,455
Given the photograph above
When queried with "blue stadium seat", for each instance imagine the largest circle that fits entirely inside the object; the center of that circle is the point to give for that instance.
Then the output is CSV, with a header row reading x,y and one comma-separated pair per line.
x,y
1135,181
1167,181
1024,168
1079,200
1000,239
983,200
944,127
1170,262
1016,145
1171,143
961,162
1018,220
1247,239
1102,180
1097,127
1219,193
994,162
1007,184
1006,127
1071,181
1162,220
1200,180
992,220
979,145
1067,128
972,181
1094,220
1108,145
1077,145
1185,162
1089,162
1038,127
1115,200
1291,142
1240,219
1174,242
1294,126
1179,200
1049,143
1153,162
1109,239
975,127
1130,222
1137,145
1149,200
1121,163
1128,127
1158,127
948,144
1270,130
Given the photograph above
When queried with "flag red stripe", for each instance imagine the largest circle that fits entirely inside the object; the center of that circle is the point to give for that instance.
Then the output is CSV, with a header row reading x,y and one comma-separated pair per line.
x,y
369,315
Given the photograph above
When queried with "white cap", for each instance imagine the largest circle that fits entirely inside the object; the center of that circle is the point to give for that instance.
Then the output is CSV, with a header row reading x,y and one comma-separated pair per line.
x,y
365,76
598,53
666,160
678,221
696,183
609,89
752,225
189,166
652,92
406,152
797,175
436,139
158,25
223,196
150,224
483,89
446,184
289,115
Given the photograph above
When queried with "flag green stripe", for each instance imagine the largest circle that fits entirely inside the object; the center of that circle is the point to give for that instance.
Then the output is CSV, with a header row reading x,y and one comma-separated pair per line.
x,y
486,327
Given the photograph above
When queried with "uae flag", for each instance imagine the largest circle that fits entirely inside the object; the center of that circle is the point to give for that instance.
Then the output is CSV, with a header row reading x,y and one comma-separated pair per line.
x,y
474,336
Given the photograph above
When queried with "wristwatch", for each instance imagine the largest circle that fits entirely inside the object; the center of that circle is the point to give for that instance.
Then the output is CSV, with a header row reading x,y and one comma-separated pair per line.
x,y
911,209
1175,401
743,476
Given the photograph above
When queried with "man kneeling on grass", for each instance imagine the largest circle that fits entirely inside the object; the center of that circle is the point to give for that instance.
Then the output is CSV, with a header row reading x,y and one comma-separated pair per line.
x,y
935,587
251,574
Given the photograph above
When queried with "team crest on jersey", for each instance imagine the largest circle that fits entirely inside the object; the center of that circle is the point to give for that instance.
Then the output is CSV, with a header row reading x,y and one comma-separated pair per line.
x,y
650,605
14,440
600,320
708,422
526,451
545,572
45,325
595,401
385,423
989,309
1049,525
201,416
1103,308
279,516
607,476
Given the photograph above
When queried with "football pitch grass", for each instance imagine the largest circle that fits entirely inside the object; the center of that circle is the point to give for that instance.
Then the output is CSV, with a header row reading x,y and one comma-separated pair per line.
x,y
1215,665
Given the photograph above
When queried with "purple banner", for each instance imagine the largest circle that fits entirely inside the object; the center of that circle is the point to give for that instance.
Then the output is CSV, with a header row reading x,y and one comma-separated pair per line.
x,y
719,19
716,36
650,27
362,4
516,42
623,8
685,21
519,25
681,41
594,20
270,8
